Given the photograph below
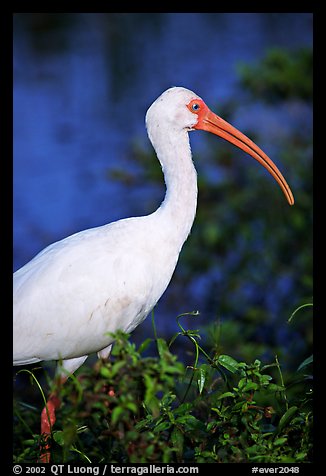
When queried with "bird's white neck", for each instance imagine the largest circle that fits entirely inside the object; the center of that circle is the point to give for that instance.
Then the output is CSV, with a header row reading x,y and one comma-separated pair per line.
x,y
179,205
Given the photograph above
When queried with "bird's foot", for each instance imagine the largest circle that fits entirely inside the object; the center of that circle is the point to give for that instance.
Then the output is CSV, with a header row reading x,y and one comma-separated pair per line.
x,y
47,421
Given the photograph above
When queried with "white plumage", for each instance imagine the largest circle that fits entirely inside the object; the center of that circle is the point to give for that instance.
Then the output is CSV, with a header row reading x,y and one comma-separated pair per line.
x,y
77,290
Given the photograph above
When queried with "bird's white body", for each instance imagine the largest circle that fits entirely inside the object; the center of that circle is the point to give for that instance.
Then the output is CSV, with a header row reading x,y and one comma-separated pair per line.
x,y
73,294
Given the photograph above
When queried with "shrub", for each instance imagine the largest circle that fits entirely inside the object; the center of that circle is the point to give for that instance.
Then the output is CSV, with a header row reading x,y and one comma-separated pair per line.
x,y
142,408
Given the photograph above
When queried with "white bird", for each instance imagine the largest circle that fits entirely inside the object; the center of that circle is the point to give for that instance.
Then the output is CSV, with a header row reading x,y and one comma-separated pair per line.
x,y
74,293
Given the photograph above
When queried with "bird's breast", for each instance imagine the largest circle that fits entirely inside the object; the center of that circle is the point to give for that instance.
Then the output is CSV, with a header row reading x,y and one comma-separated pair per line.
x,y
72,296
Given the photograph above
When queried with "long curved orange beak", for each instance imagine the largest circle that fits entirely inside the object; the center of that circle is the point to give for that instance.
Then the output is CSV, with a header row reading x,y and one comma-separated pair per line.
x,y
208,121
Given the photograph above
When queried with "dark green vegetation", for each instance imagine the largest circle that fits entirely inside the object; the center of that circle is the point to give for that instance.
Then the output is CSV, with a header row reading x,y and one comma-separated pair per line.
x,y
245,394
142,409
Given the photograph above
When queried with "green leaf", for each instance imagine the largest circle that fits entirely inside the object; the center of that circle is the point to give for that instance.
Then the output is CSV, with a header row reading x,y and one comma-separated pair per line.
x,y
286,418
169,369
117,412
300,456
201,377
273,387
116,367
264,379
224,395
132,407
306,362
183,408
162,348
280,441
250,386
143,346
189,421
229,363
149,450
177,439
166,401
218,411
105,372
165,425
58,437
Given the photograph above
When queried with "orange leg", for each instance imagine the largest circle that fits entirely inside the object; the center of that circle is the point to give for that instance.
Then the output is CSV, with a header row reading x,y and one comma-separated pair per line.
x,y
47,421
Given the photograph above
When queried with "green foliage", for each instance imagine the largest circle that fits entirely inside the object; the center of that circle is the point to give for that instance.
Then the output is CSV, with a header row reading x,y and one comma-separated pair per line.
x,y
141,409
280,75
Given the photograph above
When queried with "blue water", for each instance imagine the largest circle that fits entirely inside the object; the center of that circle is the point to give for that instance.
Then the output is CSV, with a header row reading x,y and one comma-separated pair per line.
x,y
82,85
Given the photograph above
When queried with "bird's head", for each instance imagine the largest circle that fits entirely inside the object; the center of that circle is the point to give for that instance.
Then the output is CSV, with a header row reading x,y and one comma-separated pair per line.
x,y
181,109
169,110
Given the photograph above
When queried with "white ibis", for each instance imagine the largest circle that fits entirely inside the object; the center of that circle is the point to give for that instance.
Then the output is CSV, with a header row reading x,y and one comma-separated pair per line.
x,y
74,293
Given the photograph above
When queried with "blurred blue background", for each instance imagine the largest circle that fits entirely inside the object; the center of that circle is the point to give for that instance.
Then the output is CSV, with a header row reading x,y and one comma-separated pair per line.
x,y
82,85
